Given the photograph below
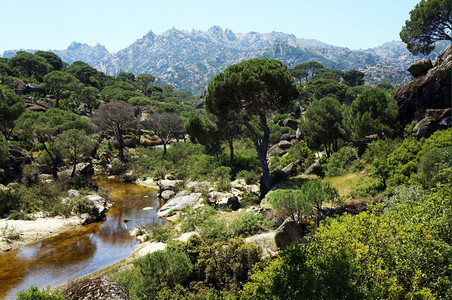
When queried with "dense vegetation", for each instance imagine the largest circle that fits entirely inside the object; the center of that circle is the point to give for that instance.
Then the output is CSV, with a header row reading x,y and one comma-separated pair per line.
x,y
256,121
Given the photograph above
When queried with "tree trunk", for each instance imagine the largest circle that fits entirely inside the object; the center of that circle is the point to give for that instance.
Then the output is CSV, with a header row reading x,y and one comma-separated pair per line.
x,y
164,147
231,150
52,158
262,149
73,169
120,144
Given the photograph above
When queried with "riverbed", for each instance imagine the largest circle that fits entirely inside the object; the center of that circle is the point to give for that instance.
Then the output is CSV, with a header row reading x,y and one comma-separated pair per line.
x,y
84,249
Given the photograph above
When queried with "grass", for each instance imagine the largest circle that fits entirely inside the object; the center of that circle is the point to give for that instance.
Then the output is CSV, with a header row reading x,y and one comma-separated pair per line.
x,y
344,183
294,182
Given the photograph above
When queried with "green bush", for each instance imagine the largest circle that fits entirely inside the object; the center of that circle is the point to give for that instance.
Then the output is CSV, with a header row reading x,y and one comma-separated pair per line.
x,y
249,224
250,199
161,269
342,162
250,177
222,175
30,175
193,218
161,233
398,249
9,201
215,228
4,149
366,186
117,167
299,151
34,293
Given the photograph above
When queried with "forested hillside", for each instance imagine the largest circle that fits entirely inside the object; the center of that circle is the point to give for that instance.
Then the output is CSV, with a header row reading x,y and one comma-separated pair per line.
x,y
188,60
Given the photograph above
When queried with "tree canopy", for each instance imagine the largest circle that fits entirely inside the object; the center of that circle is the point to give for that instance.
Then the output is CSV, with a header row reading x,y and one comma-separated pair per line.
x,y
252,88
322,124
11,107
373,112
430,21
116,116
46,126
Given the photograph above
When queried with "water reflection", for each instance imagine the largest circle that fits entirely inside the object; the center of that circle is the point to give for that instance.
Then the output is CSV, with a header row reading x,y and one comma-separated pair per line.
x,y
83,250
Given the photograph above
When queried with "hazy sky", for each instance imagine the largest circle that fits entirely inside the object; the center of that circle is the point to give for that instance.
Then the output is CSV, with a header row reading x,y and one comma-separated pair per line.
x,y
54,24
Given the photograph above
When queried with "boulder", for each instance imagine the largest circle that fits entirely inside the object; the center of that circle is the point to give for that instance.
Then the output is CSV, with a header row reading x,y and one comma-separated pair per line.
x,y
178,203
95,288
12,169
196,186
291,123
86,219
167,194
240,184
312,167
430,91
435,119
279,149
233,203
289,232
72,193
84,169
298,135
45,178
420,67
97,206
199,104
36,108
287,137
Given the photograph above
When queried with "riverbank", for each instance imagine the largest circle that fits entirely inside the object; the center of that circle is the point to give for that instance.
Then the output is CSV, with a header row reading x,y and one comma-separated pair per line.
x,y
16,233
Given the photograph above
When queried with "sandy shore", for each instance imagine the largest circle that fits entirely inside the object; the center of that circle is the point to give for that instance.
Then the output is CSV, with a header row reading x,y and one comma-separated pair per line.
x,y
32,231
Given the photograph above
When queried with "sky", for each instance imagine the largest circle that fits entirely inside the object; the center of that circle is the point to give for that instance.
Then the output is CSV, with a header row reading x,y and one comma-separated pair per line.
x,y
115,24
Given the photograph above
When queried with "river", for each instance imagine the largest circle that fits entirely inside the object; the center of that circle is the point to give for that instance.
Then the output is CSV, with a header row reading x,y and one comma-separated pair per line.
x,y
83,250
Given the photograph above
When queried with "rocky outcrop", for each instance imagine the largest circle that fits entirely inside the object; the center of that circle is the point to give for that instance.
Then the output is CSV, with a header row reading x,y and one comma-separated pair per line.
x,y
430,91
84,168
180,201
97,206
289,232
420,67
435,119
95,289
279,149
12,169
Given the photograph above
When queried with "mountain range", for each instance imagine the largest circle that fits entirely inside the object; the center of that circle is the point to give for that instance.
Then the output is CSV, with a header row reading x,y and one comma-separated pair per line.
x,y
189,59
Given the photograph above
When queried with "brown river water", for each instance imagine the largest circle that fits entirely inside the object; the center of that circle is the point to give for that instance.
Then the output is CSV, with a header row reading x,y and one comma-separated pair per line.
x,y
83,250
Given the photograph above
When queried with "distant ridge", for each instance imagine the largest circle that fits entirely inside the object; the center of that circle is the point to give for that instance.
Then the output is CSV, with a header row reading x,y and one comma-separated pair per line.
x,y
188,59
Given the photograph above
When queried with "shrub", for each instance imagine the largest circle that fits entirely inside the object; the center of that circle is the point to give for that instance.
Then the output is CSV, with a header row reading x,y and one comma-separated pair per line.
x,y
30,175
249,199
195,217
34,293
9,201
161,269
367,186
249,224
223,177
353,257
342,162
161,233
299,151
250,177
116,167
214,228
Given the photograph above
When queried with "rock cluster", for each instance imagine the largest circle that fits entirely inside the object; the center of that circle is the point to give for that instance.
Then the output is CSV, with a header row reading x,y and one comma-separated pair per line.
x,y
95,289
430,89
191,196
